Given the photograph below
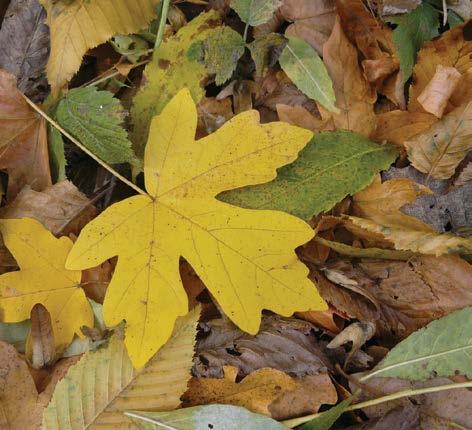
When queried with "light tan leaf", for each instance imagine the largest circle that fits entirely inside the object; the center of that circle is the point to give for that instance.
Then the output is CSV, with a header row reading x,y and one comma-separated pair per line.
x,y
311,20
23,140
398,126
438,150
354,95
435,95
463,92
103,384
61,208
80,25
449,50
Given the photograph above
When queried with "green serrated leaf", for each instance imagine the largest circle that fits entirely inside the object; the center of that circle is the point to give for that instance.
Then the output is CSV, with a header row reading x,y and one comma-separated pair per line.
x,y
57,156
94,118
413,30
442,348
226,417
263,48
331,166
171,69
255,12
223,48
326,420
307,71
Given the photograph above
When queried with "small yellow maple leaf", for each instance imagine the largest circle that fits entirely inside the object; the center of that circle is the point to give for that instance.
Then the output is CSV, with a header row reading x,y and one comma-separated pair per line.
x,y
42,278
245,257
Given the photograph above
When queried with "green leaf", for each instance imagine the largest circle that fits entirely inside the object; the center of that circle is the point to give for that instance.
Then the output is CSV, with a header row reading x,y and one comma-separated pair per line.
x,y
263,49
413,30
328,418
331,166
255,12
171,69
307,71
57,156
94,118
131,46
205,417
442,348
223,48
15,334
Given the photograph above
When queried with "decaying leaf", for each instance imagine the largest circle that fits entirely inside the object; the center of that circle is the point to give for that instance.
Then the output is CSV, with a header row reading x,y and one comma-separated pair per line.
x,y
95,118
103,384
42,349
307,187
288,345
266,391
310,20
42,279
308,72
23,141
78,26
451,212
400,297
171,69
61,208
223,48
451,49
245,258
354,96
24,46
438,150
263,50
210,416
437,186
442,348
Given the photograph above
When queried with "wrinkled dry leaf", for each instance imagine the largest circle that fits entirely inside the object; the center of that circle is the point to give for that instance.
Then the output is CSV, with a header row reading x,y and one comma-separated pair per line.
x,y
310,20
400,297
354,95
61,208
40,346
398,126
283,344
23,141
449,50
435,95
266,391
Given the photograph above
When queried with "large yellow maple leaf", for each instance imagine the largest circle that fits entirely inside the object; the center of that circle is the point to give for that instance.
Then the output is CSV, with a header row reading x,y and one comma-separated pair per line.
x,y
245,257
42,278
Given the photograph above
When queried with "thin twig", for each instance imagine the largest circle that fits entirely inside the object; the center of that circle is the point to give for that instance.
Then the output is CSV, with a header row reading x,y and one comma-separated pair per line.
x,y
394,396
162,24
83,148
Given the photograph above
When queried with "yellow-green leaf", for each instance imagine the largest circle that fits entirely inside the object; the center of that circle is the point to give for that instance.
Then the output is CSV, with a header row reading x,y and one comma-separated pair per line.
x,y
103,384
171,69
76,26
42,278
246,258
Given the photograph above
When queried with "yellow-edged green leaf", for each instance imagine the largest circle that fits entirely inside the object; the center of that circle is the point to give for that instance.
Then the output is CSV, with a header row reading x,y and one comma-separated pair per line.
x,y
245,258
103,384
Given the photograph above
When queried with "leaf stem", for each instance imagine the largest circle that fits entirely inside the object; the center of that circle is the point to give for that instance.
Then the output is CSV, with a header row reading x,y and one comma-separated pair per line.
x,y
388,398
83,148
103,78
162,23
245,32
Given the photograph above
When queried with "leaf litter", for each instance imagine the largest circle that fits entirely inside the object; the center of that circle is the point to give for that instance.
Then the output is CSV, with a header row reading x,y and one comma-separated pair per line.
x,y
252,213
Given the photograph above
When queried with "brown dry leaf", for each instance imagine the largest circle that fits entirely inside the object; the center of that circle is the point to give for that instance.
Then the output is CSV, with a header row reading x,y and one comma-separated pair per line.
x,y
285,344
398,126
212,114
23,141
463,92
354,95
40,347
435,95
399,297
95,281
323,319
311,20
301,117
394,89
449,50
465,176
61,208
266,391
439,150
372,38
